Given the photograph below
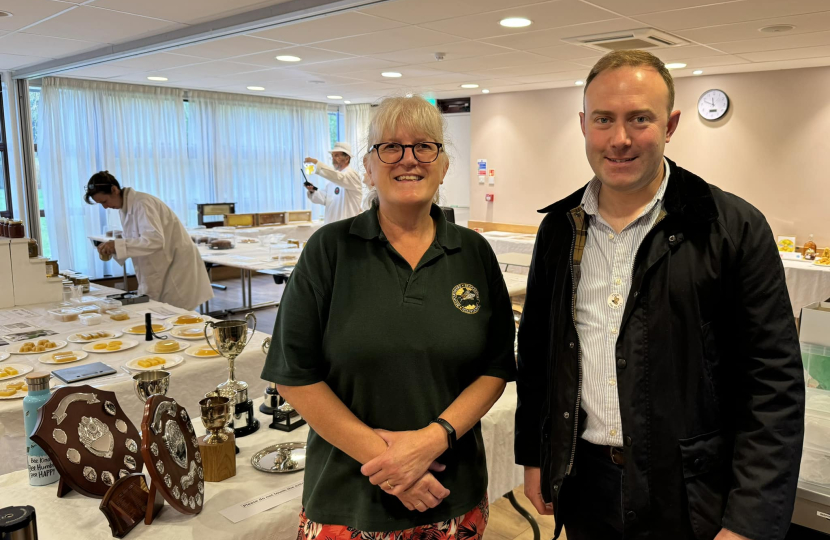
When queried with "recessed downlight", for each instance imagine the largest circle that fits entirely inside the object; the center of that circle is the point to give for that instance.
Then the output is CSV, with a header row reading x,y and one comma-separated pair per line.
x,y
697,72
335,97
515,22
675,65
162,79
579,83
6,14
485,91
471,85
347,102
391,74
776,28
288,58
256,88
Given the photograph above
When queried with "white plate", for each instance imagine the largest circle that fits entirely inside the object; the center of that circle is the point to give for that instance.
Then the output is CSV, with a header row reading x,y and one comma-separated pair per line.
x,y
113,334
4,355
151,348
820,265
60,345
20,394
174,323
129,329
169,362
126,344
22,369
181,332
47,358
194,348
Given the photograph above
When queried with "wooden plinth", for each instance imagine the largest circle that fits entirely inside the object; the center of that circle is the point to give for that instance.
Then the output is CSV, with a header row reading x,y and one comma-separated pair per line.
x,y
219,460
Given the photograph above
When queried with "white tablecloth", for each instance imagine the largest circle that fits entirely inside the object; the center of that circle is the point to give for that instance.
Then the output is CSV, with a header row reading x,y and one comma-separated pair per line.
x,y
188,381
75,516
502,242
806,283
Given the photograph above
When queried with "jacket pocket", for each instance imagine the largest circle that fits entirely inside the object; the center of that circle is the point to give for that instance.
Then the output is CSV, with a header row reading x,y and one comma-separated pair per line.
x,y
706,486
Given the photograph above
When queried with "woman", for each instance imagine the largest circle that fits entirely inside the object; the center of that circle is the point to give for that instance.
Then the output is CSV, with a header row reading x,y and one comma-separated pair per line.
x,y
167,263
393,338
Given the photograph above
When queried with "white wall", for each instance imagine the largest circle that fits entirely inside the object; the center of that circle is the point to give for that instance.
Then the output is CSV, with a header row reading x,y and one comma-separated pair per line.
x,y
456,188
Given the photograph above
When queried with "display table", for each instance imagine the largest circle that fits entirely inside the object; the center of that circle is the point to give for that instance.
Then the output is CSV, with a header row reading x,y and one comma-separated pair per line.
x,y
75,516
806,283
188,381
504,242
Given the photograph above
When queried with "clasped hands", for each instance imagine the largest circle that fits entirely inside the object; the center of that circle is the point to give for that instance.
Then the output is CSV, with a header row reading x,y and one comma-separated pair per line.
x,y
405,468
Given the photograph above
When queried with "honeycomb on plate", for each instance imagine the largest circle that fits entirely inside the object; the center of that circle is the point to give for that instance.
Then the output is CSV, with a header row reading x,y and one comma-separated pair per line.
x,y
8,372
99,346
204,351
89,336
189,319
152,362
64,357
140,329
168,345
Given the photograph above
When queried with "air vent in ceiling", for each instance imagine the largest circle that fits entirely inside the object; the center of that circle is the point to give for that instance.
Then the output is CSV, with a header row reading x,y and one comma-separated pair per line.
x,y
641,38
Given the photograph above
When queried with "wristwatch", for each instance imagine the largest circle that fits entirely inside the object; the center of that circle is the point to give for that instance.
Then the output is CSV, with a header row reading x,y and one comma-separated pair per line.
x,y
449,429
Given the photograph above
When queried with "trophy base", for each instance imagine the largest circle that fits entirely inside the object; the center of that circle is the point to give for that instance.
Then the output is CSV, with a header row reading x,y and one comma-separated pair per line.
x,y
244,422
218,460
247,430
286,421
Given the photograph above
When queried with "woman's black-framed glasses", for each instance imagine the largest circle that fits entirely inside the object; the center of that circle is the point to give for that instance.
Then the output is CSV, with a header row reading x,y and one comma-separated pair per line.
x,y
424,152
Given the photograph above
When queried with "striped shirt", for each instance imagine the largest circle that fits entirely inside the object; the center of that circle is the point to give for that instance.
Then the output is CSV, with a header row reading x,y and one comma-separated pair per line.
x,y
607,265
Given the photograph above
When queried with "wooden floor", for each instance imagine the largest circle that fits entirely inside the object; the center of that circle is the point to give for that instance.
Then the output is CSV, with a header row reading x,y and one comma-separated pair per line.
x,y
505,522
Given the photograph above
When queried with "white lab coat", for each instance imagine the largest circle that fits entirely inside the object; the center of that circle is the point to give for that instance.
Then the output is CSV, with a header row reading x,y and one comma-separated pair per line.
x,y
167,262
343,193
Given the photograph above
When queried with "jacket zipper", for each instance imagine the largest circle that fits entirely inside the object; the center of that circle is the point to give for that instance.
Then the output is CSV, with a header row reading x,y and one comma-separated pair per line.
x,y
578,351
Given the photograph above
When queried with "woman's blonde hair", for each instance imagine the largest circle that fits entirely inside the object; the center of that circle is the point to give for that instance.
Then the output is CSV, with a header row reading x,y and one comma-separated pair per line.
x,y
416,115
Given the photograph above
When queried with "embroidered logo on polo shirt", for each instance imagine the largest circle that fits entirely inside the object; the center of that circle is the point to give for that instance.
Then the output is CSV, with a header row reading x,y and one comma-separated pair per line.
x,y
466,298
337,191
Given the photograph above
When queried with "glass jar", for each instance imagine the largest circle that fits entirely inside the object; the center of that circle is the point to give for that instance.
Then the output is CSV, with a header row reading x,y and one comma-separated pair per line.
x,y
809,249
16,229
33,251
3,228
52,268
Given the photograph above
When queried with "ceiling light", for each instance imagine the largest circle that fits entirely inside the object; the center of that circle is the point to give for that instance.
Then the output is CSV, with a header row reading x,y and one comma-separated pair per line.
x,y
335,97
157,78
515,22
347,102
257,88
391,74
485,91
579,83
675,65
697,72
6,14
288,58
776,28
469,86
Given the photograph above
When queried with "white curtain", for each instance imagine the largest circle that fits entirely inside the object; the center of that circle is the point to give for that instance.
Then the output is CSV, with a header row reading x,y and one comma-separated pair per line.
x,y
250,149
356,121
137,133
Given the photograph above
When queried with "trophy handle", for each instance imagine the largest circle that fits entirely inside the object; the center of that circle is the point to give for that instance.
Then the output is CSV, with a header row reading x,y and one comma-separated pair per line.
x,y
210,324
251,315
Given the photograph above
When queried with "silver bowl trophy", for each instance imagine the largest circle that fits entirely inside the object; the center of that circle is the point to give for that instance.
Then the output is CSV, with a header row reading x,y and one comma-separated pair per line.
x,y
150,383
231,338
285,417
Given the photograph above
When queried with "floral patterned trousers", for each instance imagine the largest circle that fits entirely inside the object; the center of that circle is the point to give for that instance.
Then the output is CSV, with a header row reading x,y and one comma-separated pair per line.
x,y
470,526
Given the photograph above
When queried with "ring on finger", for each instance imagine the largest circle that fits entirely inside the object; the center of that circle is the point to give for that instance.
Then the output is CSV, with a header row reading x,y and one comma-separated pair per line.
x,y
390,486
418,503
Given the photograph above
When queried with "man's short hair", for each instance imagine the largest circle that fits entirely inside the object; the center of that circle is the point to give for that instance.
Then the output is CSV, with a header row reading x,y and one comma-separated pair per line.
x,y
632,58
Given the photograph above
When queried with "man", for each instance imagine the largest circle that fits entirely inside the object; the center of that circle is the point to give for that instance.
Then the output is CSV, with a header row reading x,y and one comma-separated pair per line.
x,y
344,189
660,382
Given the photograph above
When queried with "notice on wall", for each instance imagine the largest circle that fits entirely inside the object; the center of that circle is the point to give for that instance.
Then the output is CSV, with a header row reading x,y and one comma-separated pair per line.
x,y
482,170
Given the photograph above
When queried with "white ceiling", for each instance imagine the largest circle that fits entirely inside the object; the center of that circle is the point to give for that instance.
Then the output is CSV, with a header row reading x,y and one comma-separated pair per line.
x,y
344,54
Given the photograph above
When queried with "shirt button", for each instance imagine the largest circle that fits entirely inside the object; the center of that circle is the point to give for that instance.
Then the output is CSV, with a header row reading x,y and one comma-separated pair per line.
x,y
628,440
621,363
672,238
613,432
571,344
612,382
611,236
618,281
567,415
613,331
630,516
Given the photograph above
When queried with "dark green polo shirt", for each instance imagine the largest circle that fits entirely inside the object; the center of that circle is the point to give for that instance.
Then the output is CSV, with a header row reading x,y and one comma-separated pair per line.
x,y
397,346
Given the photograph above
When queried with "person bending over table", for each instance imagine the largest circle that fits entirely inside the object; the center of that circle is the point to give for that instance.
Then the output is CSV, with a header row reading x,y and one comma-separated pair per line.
x,y
393,338
167,263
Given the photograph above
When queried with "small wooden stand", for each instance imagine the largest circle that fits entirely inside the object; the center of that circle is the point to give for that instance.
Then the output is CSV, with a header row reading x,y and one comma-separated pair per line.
x,y
127,502
219,460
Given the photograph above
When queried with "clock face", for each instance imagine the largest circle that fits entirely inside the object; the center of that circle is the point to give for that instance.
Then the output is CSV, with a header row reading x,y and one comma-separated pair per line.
x,y
713,104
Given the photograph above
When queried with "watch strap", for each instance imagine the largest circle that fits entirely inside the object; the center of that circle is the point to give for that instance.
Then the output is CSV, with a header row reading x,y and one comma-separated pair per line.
x,y
451,437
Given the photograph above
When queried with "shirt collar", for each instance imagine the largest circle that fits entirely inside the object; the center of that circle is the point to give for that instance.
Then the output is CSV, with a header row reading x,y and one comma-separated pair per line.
x,y
126,199
590,200
367,226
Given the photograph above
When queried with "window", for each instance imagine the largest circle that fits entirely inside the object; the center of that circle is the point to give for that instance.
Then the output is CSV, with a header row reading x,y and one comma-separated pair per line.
x,y
34,106
5,185
334,127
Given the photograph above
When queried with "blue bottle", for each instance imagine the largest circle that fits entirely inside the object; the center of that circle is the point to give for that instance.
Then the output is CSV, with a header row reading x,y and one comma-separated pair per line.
x,y
41,469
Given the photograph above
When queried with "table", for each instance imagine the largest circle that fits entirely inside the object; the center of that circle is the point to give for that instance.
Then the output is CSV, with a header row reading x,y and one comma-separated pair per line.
x,y
515,259
516,283
504,242
78,516
806,283
188,381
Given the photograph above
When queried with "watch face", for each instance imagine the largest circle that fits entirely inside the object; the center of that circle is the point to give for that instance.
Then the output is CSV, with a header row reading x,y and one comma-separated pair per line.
x,y
713,104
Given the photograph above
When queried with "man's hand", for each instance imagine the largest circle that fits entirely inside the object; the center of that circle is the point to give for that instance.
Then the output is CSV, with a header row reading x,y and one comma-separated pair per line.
x,y
533,491
729,535
107,248
310,160
426,492
409,455
311,187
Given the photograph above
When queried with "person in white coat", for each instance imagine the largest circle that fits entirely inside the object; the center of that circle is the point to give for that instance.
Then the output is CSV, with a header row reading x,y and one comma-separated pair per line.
x,y
344,190
167,263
